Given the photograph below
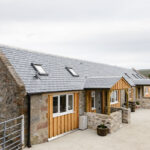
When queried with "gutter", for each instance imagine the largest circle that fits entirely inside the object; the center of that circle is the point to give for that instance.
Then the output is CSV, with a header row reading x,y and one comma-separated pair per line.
x,y
29,121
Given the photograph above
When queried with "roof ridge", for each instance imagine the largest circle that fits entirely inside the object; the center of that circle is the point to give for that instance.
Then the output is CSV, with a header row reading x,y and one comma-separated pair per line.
x,y
105,77
54,55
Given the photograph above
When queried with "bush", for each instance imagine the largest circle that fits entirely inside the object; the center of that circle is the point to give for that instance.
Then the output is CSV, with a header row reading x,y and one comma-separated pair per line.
x,y
137,103
102,126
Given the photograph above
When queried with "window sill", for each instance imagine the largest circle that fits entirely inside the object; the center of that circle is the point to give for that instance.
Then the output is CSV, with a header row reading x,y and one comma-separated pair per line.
x,y
114,103
62,114
93,108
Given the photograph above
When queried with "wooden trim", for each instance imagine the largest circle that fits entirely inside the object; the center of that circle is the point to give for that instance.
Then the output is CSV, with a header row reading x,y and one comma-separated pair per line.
x,y
103,101
127,98
89,102
108,102
121,84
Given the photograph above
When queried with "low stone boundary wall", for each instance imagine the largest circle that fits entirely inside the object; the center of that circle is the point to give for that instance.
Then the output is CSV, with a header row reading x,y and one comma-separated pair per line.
x,y
126,114
145,103
113,121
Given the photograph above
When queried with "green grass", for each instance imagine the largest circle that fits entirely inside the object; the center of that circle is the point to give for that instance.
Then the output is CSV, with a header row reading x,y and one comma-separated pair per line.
x,y
145,72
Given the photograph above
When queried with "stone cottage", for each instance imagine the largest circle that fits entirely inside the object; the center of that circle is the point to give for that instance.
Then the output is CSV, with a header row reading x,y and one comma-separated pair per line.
x,y
52,91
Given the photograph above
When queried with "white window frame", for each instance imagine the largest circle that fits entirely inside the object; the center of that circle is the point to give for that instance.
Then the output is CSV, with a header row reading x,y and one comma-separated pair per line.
x,y
67,111
58,104
93,96
71,111
72,71
39,69
116,100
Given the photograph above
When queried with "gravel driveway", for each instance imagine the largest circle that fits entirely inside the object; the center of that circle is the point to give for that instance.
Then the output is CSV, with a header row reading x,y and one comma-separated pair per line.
x,y
135,136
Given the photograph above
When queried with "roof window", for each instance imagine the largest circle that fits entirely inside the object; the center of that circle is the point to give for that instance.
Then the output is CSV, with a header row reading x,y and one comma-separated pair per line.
x,y
135,76
39,69
127,75
139,76
72,72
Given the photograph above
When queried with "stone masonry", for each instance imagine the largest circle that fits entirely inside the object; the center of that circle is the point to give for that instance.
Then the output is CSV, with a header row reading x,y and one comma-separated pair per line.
x,y
113,121
82,103
39,120
126,113
12,91
144,102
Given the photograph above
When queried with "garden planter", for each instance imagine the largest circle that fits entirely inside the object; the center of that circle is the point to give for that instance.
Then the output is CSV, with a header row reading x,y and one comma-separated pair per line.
x,y
102,130
132,106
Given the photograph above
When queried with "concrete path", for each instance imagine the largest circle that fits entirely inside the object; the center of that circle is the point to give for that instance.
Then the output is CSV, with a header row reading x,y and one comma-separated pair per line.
x,y
135,136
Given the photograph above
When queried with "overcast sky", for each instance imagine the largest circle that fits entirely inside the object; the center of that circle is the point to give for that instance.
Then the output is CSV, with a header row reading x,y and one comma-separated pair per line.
x,y
115,32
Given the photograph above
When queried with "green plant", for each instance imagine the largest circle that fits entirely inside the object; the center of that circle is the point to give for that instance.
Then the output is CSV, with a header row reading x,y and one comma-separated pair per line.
x,y
137,103
102,126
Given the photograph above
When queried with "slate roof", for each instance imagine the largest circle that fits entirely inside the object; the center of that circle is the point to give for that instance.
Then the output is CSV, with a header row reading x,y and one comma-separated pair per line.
x,y
101,82
59,79
142,82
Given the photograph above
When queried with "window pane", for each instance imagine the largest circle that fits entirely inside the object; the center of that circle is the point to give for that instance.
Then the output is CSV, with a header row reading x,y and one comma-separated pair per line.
x,y
70,102
93,103
63,103
40,69
55,104
114,96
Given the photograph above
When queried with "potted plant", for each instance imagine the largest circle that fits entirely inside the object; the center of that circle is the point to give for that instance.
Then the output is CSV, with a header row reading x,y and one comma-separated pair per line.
x,y
102,130
132,106
137,104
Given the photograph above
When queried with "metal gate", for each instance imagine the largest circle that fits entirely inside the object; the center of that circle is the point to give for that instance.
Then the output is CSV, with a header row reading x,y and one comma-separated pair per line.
x,y
12,134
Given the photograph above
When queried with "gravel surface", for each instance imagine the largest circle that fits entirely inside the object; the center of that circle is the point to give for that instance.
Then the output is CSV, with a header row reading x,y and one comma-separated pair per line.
x,y
135,136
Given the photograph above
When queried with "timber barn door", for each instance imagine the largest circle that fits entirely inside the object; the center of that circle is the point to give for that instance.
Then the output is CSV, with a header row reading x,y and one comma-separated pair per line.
x,y
58,125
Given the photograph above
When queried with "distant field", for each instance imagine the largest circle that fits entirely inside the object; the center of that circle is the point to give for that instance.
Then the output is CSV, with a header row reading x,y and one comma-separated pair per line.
x,y
145,72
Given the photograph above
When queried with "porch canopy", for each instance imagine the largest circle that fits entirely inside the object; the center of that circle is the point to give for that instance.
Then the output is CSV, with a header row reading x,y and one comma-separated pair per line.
x,y
108,83
115,83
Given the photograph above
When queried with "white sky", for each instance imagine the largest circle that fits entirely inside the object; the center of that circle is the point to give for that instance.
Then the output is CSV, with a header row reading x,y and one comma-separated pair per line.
x,y
115,32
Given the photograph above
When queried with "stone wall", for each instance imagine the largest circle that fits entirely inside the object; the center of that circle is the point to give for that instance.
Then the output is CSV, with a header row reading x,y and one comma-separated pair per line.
x,y
82,103
39,120
145,103
134,93
12,91
126,113
113,121
122,101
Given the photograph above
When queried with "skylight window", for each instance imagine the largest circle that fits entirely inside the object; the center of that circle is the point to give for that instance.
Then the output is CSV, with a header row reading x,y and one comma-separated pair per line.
x,y
135,76
39,69
139,76
127,75
72,72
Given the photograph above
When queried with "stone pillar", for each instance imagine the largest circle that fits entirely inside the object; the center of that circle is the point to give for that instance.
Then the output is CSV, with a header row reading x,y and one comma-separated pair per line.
x,y
82,103
126,115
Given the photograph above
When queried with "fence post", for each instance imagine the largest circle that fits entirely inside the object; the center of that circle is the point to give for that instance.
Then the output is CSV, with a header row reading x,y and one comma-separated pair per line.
x,y
4,135
22,130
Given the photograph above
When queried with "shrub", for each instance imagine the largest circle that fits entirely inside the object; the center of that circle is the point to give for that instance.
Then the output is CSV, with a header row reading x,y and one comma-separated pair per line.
x,y
102,126
137,103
